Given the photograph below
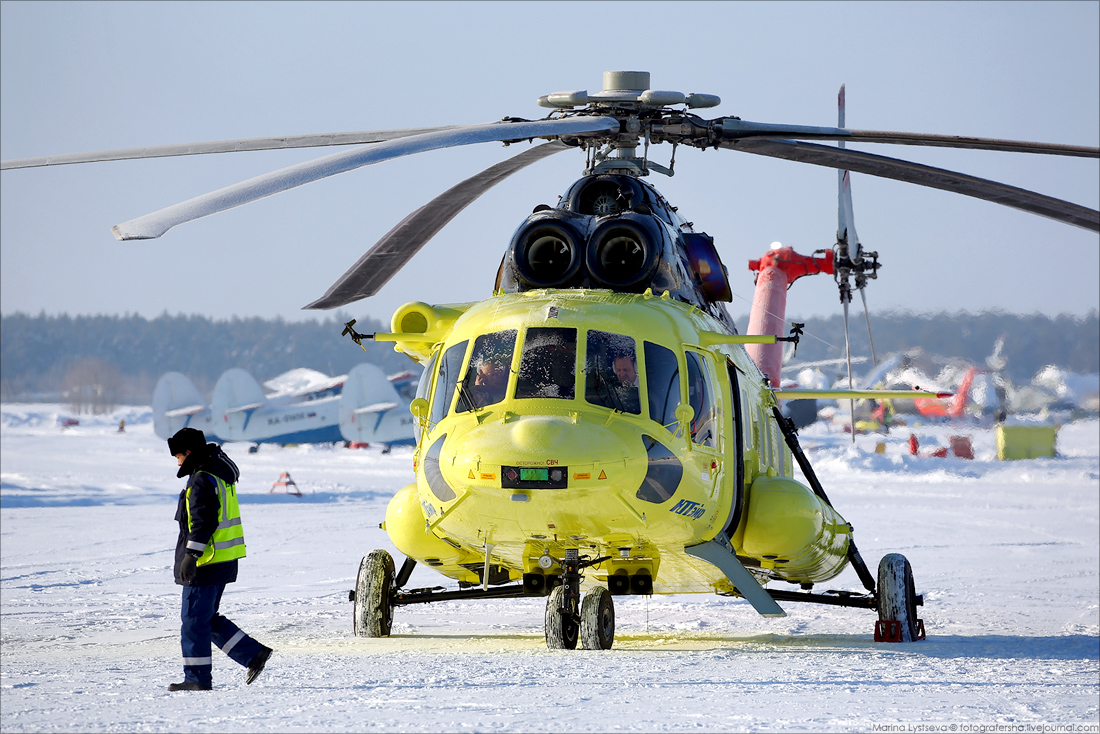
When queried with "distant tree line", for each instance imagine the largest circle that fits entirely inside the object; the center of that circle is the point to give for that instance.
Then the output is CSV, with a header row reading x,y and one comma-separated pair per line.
x,y
77,358
1031,342
97,361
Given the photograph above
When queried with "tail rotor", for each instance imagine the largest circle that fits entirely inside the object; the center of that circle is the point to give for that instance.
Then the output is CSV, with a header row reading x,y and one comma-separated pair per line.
x,y
851,263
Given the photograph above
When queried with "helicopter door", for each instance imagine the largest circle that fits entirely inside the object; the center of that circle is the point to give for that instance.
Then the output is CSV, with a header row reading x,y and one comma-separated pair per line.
x,y
662,376
706,425
742,440
447,380
422,391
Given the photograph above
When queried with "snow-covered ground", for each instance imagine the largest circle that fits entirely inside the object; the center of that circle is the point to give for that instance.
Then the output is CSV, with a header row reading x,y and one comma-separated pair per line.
x,y
1006,555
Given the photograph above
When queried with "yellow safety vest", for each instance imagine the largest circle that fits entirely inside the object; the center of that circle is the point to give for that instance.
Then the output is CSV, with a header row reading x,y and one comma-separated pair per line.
x,y
227,543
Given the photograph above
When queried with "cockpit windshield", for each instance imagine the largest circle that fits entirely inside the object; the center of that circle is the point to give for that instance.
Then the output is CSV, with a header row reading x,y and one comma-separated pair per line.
x,y
486,380
548,370
548,367
611,372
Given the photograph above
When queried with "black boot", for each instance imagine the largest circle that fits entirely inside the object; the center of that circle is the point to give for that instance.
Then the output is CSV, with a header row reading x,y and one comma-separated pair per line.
x,y
188,685
257,665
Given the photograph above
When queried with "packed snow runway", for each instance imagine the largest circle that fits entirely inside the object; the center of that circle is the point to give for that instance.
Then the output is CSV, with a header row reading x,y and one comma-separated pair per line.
x,y
1006,554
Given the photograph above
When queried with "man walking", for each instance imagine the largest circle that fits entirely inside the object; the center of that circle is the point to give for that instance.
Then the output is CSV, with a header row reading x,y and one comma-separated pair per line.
x,y
211,540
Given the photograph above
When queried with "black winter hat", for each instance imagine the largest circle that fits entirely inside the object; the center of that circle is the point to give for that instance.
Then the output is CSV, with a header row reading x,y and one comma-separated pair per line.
x,y
186,439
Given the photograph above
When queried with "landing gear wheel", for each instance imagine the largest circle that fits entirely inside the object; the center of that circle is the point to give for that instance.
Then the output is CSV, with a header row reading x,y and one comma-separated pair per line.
x,y
373,606
597,620
561,627
897,596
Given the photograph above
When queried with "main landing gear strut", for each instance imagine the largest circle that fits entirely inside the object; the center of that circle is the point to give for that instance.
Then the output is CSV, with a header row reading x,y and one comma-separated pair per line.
x,y
590,620
569,618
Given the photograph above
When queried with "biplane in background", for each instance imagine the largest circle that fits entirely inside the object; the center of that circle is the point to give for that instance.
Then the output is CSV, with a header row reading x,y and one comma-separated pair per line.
x,y
299,406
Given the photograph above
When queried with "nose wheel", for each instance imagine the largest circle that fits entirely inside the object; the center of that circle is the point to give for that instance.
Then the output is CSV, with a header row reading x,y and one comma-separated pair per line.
x,y
568,619
562,620
597,620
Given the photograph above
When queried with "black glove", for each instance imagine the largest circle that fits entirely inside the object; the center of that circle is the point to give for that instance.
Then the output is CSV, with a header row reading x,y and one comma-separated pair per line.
x,y
189,568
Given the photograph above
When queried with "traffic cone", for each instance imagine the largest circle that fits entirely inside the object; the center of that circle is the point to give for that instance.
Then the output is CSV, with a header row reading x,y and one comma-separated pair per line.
x,y
286,483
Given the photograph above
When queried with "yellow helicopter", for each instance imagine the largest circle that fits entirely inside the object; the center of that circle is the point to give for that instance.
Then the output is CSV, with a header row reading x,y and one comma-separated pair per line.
x,y
596,427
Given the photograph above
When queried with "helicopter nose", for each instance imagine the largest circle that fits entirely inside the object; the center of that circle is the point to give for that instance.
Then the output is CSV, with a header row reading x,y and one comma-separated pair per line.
x,y
552,441
539,433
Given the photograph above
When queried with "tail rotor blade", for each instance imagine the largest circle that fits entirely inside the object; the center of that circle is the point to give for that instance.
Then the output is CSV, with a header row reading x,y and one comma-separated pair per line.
x,y
848,356
867,315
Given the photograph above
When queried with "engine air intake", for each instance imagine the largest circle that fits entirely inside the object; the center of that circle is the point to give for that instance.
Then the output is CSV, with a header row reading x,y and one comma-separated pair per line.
x,y
547,255
622,256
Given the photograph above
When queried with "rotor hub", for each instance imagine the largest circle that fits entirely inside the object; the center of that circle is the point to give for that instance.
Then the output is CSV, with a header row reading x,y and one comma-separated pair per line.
x,y
627,88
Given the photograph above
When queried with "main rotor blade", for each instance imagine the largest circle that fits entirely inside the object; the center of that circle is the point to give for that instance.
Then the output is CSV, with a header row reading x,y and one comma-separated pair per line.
x,y
223,146
916,173
367,276
734,129
155,224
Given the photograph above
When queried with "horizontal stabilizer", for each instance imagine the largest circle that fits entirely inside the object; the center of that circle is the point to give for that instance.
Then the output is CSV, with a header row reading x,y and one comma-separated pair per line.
x,y
376,408
189,410
242,408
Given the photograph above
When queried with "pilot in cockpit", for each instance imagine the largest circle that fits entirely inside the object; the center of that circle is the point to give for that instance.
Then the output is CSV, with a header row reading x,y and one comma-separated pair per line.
x,y
626,372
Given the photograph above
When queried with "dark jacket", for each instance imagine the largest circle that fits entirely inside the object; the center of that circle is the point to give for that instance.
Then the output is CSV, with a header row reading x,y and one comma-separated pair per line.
x,y
205,509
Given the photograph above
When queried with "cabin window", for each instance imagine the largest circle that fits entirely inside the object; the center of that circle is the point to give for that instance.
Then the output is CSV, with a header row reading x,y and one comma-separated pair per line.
x,y
662,376
486,380
548,366
704,426
446,381
611,372
746,417
765,437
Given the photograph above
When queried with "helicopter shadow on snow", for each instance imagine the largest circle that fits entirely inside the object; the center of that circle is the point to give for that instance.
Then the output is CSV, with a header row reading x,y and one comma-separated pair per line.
x,y
946,647
1073,647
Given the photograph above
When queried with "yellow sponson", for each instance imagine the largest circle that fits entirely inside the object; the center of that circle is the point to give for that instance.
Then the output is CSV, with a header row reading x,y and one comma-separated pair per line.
x,y
408,531
791,530
422,325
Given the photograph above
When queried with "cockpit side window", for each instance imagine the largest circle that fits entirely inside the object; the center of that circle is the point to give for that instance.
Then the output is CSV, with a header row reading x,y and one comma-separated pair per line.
x,y
486,379
662,376
548,366
611,372
422,386
446,381
704,426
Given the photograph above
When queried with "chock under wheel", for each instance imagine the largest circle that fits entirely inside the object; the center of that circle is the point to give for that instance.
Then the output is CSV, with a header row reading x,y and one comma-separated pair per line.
x,y
889,630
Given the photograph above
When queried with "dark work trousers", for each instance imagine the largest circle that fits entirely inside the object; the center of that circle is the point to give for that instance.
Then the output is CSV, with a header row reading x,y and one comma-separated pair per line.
x,y
202,625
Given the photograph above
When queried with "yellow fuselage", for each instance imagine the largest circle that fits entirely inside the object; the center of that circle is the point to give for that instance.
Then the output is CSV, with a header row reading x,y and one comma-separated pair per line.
x,y
558,458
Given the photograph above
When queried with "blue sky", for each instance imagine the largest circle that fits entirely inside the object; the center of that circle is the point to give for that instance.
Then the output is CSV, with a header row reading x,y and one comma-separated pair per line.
x,y
93,76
